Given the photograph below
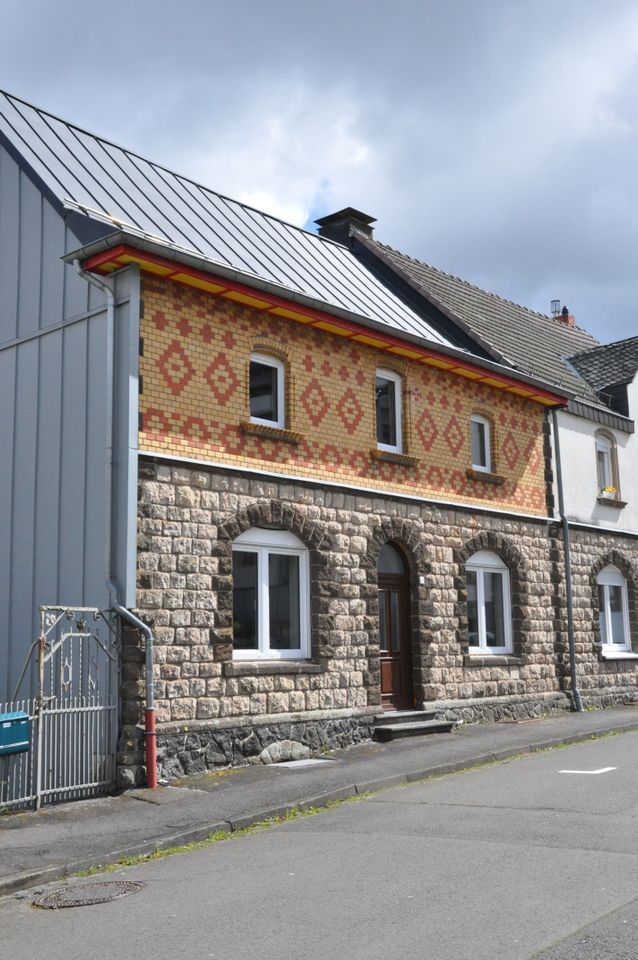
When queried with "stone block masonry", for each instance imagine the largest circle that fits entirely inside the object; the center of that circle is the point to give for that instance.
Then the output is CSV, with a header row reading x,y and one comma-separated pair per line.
x,y
213,710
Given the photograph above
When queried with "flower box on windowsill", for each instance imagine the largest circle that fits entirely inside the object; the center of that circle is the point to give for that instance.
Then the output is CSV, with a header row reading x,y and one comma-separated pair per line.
x,y
387,456
270,433
611,500
484,477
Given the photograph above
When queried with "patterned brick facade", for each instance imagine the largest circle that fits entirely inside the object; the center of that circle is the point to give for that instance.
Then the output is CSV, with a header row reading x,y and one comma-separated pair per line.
x,y
195,405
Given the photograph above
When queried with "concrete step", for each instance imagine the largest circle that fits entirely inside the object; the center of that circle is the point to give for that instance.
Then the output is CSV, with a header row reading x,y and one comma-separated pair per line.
x,y
403,716
393,731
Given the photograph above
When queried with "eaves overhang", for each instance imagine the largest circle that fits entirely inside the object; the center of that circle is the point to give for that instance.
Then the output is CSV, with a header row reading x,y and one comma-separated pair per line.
x,y
161,259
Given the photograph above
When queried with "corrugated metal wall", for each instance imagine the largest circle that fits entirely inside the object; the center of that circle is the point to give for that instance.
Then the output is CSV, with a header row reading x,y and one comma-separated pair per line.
x,y
54,397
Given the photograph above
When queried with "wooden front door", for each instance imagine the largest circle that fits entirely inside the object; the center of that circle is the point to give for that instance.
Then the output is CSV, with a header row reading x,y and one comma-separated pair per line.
x,y
395,641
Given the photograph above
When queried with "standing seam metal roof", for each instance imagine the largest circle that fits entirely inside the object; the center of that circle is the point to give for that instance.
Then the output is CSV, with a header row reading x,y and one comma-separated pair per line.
x,y
119,186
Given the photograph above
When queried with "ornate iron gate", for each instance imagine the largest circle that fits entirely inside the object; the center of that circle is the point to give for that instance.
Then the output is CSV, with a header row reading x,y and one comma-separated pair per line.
x,y
74,715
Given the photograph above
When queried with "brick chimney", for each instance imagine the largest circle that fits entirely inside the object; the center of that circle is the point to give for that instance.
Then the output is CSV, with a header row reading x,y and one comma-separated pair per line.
x,y
567,318
341,225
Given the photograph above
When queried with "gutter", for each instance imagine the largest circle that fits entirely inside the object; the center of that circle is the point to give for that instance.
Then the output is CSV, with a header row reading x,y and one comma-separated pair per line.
x,y
578,704
150,739
171,252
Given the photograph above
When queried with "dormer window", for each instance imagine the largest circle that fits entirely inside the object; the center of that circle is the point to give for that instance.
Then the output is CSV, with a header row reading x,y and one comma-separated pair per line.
x,y
388,411
481,441
266,390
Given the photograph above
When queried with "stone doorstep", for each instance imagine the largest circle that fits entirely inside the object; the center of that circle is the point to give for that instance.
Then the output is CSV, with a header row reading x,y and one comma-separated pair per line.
x,y
394,731
403,716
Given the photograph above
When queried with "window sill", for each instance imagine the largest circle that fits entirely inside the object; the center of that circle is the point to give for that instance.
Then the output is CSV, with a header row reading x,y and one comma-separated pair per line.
x,y
484,477
492,660
270,433
618,655
387,456
261,668
611,502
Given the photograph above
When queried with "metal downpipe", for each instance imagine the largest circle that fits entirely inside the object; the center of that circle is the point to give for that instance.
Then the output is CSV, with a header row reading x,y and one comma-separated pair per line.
x,y
150,738
578,703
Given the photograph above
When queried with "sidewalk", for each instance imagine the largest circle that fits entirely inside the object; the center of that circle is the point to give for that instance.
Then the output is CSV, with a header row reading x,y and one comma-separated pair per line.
x,y
60,840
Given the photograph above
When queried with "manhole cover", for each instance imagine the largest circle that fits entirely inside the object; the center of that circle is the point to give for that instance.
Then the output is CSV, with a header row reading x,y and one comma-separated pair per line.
x,y
88,893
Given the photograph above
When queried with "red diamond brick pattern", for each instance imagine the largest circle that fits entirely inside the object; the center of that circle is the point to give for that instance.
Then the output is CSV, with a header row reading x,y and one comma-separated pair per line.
x,y
175,367
454,435
314,402
349,410
221,378
195,400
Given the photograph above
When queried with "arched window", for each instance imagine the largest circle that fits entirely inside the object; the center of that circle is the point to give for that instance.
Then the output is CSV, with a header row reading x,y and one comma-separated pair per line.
x,y
489,605
607,466
481,443
614,610
266,389
271,602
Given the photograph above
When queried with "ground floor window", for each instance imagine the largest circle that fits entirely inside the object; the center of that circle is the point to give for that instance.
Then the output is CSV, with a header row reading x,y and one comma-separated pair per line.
x,y
271,608
614,609
488,604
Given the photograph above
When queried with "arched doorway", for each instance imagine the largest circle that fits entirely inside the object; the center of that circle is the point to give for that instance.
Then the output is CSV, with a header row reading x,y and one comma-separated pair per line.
x,y
395,641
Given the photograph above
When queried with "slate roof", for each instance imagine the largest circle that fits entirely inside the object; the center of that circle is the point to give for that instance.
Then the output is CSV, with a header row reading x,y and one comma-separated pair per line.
x,y
117,188
610,364
534,343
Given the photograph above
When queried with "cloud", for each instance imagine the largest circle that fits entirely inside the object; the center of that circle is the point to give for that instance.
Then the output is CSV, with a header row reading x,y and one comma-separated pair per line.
x,y
494,139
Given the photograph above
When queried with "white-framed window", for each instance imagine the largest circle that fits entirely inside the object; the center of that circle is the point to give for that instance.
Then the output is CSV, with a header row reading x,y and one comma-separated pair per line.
x,y
614,610
481,443
271,596
388,411
606,471
266,391
489,606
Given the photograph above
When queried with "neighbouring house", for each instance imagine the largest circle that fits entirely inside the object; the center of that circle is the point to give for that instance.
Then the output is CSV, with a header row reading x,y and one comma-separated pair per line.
x,y
596,442
326,499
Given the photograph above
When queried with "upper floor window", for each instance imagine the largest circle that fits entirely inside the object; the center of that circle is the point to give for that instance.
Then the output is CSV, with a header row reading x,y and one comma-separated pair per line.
x,y
388,411
606,466
614,609
481,443
266,390
489,608
271,605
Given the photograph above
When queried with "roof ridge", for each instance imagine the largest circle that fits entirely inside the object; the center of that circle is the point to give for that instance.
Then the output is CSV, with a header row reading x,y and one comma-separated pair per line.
x,y
605,346
475,286
160,166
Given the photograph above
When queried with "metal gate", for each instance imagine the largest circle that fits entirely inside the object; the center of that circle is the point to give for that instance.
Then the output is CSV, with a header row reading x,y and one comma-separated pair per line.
x,y
74,715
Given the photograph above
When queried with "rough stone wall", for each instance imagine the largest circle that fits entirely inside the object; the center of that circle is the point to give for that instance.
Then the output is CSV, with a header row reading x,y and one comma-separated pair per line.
x,y
194,403
603,680
212,710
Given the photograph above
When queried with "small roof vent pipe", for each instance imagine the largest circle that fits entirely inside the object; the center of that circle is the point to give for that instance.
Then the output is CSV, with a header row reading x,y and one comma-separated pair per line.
x,y
555,308
340,226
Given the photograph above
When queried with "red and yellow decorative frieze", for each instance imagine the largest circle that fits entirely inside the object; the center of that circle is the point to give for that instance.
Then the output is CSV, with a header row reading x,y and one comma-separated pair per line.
x,y
194,404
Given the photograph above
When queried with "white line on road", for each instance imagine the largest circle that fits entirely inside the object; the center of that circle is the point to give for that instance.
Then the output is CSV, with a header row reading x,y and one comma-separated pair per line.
x,y
591,773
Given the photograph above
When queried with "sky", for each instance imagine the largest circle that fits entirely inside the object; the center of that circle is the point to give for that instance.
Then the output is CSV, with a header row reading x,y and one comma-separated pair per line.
x,y
495,139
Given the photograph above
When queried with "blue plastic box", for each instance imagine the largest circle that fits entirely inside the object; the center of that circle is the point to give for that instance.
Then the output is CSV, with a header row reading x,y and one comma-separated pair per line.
x,y
15,732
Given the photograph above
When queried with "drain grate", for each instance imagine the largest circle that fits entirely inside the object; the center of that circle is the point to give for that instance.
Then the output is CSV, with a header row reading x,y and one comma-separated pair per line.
x,y
86,894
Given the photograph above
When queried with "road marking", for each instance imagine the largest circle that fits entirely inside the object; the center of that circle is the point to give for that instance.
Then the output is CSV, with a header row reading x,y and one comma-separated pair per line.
x,y
591,773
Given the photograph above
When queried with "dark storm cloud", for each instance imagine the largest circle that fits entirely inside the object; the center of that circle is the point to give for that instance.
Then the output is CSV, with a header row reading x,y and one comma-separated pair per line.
x,y
494,139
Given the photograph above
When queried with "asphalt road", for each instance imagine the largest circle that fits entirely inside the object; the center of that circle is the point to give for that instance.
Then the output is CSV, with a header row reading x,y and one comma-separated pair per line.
x,y
512,861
